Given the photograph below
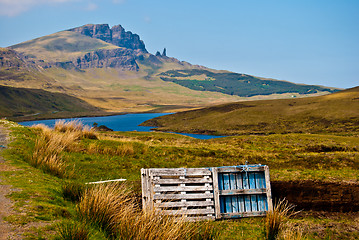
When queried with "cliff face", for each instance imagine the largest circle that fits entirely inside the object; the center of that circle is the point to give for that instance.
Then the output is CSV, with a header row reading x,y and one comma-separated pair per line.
x,y
11,59
115,58
116,35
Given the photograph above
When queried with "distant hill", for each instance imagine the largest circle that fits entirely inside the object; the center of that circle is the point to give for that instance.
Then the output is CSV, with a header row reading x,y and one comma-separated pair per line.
x,y
110,68
236,84
22,103
334,113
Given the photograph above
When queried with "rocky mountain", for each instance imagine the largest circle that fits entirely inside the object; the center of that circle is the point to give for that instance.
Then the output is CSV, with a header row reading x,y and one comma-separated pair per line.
x,y
116,35
110,69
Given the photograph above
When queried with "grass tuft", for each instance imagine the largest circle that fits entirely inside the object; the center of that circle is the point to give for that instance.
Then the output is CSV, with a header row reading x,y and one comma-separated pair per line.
x,y
112,208
75,126
72,231
47,152
103,205
275,219
73,191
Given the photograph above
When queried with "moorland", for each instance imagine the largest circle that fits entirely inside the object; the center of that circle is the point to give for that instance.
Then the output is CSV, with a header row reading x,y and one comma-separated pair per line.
x,y
309,140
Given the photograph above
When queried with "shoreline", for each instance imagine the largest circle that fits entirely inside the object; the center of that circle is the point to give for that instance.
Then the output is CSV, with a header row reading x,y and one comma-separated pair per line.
x,y
69,115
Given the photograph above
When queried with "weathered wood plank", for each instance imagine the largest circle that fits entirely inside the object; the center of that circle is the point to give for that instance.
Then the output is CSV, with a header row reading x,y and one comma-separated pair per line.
x,y
243,214
179,181
144,188
268,187
235,204
216,193
242,207
226,184
242,191
182,188
202,218
254,203
247,203
182,196
245,181
180,171
185,204
262,202
232,181
239,182
188,211
252,180
240,169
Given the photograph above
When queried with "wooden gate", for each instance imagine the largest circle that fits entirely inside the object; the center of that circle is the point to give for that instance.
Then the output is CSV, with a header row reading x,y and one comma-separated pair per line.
x,y
208,193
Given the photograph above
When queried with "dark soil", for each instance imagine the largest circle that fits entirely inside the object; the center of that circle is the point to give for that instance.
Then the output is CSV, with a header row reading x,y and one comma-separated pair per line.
x,y
318,196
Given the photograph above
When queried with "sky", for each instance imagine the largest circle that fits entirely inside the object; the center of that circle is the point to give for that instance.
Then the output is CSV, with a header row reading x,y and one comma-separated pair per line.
x,y
302,41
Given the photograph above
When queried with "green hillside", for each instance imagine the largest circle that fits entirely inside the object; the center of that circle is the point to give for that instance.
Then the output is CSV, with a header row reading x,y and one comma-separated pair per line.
x,y
19,103
236,84
334,113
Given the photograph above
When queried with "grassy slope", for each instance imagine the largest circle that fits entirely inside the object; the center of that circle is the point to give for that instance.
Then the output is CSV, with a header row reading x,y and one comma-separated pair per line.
x,y
235,83
122,155
61,46
336,112
19,102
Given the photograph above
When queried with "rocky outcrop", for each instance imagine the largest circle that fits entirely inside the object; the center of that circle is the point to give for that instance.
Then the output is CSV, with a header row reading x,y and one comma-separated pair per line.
x,y
11,59
113,58
116,35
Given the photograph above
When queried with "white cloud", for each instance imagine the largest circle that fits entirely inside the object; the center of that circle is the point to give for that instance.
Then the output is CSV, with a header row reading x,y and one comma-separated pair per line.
x,y
91,7
12,8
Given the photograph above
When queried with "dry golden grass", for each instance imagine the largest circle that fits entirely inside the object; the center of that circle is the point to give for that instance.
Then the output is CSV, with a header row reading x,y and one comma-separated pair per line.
x,y
106,206
48,148
112,207
75,126
71,126
291,233
50,144
276,219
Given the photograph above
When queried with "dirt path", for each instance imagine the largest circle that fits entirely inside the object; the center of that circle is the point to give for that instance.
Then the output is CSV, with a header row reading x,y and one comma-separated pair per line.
x,y
6,229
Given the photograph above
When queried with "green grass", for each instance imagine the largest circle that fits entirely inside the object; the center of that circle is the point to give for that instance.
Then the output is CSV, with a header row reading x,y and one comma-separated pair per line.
x,y
335,113
40,197
17,103
236,84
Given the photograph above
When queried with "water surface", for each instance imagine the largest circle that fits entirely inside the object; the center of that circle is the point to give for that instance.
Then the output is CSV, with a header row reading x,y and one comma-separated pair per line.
x,y
124,123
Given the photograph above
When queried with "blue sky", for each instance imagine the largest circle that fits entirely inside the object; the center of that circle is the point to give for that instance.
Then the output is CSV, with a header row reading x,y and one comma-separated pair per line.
x,y
302,41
